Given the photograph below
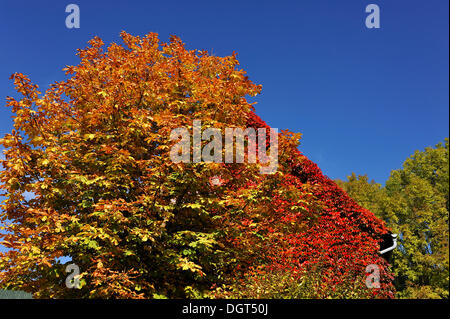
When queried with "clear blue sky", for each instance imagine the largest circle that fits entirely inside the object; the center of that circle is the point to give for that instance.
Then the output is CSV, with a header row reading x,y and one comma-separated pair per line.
x,y
364,99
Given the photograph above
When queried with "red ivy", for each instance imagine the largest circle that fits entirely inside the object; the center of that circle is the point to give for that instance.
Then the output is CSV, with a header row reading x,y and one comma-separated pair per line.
x,y
343,240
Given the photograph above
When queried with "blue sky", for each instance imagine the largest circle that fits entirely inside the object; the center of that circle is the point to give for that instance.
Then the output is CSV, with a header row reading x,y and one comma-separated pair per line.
x,y
364,99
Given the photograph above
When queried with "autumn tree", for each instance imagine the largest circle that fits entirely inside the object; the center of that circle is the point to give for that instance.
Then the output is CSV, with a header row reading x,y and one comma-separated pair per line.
x,y
93,152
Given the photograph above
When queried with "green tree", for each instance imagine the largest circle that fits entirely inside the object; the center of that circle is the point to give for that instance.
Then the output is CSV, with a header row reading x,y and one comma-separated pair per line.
x,y
369,195
415,204
417,209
